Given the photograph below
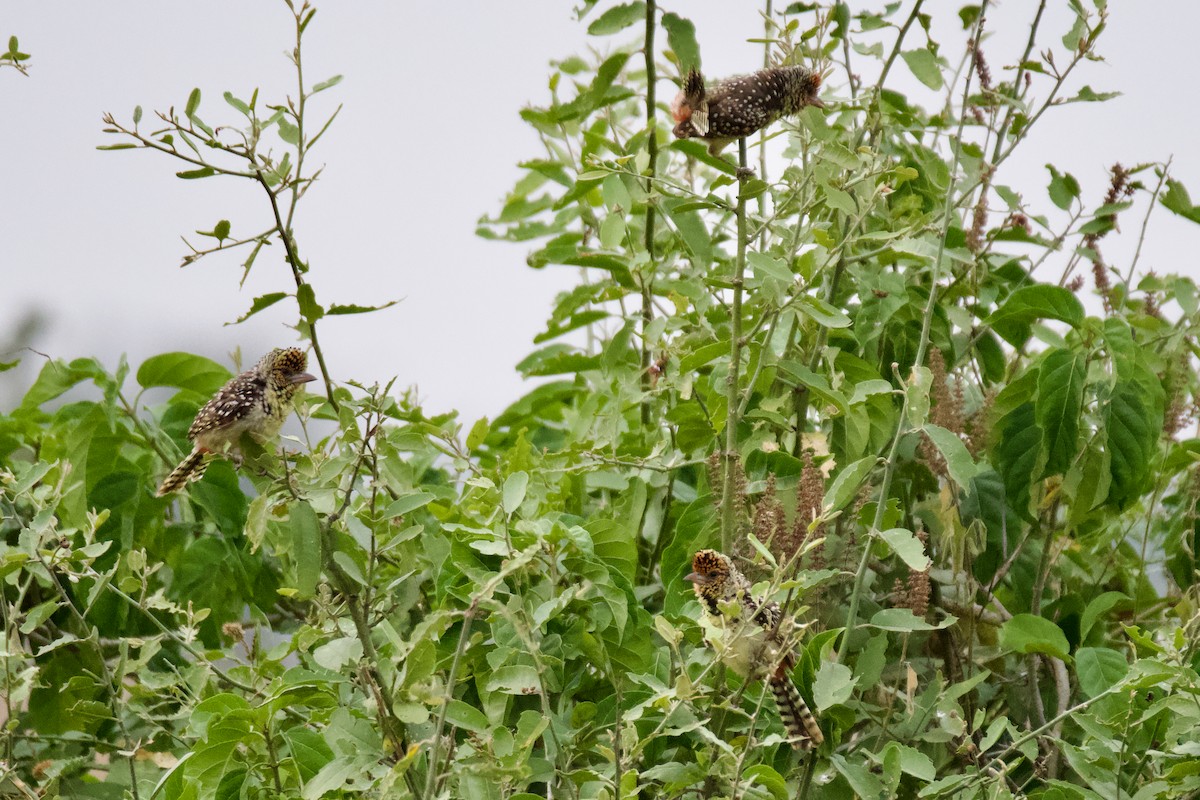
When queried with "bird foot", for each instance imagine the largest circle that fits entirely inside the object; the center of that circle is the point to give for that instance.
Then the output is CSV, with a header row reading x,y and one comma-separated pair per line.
x,y
745,173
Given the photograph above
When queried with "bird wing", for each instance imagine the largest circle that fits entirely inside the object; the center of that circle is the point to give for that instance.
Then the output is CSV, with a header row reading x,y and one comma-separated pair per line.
x,y
230,405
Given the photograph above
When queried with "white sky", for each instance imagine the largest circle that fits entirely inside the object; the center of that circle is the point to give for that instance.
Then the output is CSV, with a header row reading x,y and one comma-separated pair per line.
x,y
427,142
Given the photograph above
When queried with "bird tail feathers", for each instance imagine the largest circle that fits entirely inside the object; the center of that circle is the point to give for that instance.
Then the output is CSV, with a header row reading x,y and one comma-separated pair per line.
x,y
190,469
802,729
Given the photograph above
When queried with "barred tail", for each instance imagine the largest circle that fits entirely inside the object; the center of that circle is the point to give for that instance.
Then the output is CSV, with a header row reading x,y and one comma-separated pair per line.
x,y
190,469
802,729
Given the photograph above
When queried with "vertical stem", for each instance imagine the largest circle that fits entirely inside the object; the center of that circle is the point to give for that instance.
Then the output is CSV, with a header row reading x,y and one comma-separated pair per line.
x,y
889,470
729,490
762,134
652,149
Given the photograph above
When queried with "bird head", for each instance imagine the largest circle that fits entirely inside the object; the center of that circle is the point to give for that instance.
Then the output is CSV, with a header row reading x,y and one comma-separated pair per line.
x,y
709,568
286,366
690,108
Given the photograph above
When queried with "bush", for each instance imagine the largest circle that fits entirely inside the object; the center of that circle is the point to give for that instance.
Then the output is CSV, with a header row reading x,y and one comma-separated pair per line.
x,y
859,365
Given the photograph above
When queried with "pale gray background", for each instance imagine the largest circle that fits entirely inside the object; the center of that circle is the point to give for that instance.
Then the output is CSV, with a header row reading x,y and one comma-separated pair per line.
x,y
427,141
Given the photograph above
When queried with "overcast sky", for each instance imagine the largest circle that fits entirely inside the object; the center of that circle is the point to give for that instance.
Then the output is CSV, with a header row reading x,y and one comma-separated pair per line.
x,y
428,141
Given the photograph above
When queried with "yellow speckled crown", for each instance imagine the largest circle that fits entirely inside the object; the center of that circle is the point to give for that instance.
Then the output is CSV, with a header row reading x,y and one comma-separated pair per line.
x,y
710,563
290,361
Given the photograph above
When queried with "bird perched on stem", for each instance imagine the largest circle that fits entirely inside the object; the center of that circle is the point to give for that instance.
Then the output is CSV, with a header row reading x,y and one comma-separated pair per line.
x,y
256,402
755,646
737,107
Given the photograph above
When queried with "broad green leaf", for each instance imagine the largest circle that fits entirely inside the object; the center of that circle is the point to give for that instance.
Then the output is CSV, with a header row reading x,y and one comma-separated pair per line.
x,y
407,504
961,465
1012,320
183,371
338,653
1019,456
1063,188
514,679
1099,669
305,547
833,685
1027,633
845,485
1059,406
307,299
617,18
1130,437
514,491
764,776
906,545
823,313
467,717
924,65
1097,608
681,38
1176,199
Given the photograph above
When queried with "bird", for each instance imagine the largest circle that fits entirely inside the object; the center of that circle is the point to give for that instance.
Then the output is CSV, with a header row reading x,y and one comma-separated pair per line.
x,y
737,107
756,647
256,402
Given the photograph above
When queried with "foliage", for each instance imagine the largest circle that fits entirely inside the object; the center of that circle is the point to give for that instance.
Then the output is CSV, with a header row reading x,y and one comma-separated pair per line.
x,y
850,373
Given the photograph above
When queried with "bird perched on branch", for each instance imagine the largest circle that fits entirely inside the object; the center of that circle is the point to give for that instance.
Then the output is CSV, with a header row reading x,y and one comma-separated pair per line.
x,y
755,646
737,107
256,402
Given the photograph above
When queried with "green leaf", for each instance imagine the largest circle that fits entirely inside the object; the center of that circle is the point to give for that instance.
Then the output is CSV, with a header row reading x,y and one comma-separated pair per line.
x,y
1063,188
902,620
906,545
336,309
681,38
183,371
760,774
514,679
306,548
407,504
1059,406
845,485
514,491
691,228
326,84
1025,305
307,299
479,433
193,174
1130,439
617,18
961,465
221,230
1176,200
467,717
193,103
1099,669
914,762
1018,456
1097,608
833,685
338,653
823,313
1027,633
261,302
924,65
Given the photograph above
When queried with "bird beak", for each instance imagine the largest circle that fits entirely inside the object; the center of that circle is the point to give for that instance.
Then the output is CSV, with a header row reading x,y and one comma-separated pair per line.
x,y
695,578
303,377
816,101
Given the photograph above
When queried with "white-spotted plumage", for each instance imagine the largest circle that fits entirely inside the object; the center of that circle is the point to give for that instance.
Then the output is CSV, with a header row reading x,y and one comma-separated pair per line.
x,y
737,107
256,402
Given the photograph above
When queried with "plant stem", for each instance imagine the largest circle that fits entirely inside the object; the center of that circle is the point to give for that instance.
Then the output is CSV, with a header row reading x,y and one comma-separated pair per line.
x,y
729,490
652,150
889,471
